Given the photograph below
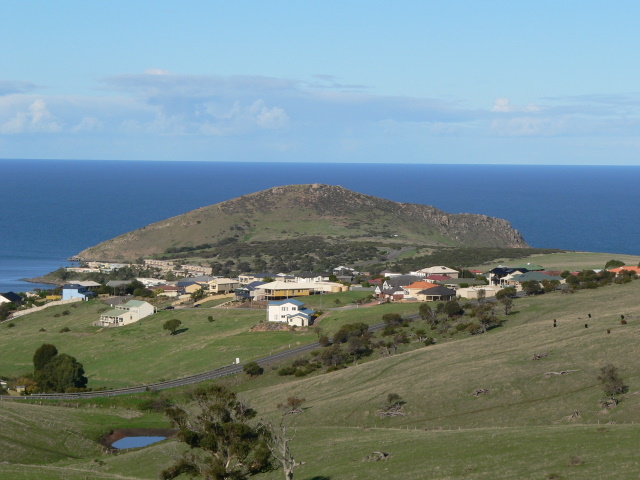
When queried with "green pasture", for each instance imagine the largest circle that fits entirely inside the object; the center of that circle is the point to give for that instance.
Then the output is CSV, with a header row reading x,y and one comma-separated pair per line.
x,y
142,352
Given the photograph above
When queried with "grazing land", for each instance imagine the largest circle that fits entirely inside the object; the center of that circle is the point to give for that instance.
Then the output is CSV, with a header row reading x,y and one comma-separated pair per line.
x,y
529,423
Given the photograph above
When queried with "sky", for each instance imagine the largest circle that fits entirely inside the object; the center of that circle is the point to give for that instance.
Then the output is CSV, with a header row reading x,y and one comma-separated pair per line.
x,y
456,82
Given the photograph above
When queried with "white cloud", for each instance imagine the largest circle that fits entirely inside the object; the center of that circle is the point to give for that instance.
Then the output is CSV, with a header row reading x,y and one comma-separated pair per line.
x,y
156,71
37,118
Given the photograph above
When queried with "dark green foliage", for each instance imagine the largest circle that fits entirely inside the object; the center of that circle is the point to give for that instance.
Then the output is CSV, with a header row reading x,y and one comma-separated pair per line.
x,y
392,319
61,373
223,443
506,292
44,354
350,330
253,369
65,330
172,325
11,325
429,341
453,309
532,287
613,264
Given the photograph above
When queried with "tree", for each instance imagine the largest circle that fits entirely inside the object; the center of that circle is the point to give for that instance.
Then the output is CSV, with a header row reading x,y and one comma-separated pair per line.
x,y
612,384
507,303
506,292
44,354
453,309
481,295
172,325
613,264
223,443
531,287
253,369
62,373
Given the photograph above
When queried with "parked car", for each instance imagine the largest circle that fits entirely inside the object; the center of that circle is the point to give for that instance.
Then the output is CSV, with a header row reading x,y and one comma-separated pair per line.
x,y
170,307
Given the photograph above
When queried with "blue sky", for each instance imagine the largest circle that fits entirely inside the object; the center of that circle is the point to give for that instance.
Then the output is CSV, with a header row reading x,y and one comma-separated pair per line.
x,y
544,82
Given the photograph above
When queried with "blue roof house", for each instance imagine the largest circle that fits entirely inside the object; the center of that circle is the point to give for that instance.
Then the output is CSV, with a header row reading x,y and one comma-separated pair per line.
x,y
72,290
289,311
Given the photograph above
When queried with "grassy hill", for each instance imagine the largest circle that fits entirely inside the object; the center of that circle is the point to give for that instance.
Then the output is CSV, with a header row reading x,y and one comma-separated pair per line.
x,y
307,211
524,427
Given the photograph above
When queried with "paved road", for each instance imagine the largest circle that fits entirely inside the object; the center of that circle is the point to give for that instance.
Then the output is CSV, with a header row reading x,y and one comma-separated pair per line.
x,y
180,382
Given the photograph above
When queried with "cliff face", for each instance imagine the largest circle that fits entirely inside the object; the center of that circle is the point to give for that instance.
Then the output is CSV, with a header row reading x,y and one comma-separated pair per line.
x,y
302,210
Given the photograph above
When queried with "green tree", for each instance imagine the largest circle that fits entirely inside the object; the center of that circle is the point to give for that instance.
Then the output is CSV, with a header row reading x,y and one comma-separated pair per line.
x,y
223,443
507,303
453,309
62,373
531,287
172,325
506,292
44,354
253,369
613,264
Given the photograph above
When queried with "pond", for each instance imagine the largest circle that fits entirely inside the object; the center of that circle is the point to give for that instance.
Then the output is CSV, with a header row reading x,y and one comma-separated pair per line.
x,y
122,438
136,442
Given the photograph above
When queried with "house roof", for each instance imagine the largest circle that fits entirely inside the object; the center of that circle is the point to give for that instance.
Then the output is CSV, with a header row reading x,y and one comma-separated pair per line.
x,y
538,276
403,280
438,291
135,303
116,312
85,283
438,278
531,267
422,285
288,300
117,283
11,296
627,268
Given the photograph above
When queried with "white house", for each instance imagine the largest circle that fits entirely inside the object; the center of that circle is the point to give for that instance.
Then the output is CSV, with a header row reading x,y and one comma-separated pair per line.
x,y
437,270
124,314
290,311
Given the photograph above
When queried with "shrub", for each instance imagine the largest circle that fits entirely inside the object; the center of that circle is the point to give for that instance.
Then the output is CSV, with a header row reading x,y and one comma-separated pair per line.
x,y
11,325
253,369
65,330
288,370
66,312
429,341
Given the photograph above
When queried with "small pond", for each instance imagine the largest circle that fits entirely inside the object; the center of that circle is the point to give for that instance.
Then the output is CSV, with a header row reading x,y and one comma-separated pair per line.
x,y
122,438
135,442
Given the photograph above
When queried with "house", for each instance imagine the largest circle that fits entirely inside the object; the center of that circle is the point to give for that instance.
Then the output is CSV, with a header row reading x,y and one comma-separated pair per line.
x,y
167,290
189,286
289,311
411,290
312,277
73,290
223,285
255,277
398,281
619,270
392,294
197,270
437,270
471,293
437,293
248,291
10,297
126,313
282,289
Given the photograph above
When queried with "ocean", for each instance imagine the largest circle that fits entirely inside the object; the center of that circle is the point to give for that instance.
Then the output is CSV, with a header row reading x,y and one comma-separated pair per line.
x,y
53,209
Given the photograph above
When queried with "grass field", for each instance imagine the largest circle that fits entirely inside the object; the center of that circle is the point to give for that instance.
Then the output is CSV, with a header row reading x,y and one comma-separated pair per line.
x,y
141,352
524,427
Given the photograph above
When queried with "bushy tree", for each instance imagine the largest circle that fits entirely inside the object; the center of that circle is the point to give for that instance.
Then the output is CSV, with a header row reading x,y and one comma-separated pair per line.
x,y
613,264
172,325
63,372
253,369
223,443
44,354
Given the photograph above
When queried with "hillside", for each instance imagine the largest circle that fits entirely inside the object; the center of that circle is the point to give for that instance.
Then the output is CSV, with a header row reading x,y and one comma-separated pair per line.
x,y
297,211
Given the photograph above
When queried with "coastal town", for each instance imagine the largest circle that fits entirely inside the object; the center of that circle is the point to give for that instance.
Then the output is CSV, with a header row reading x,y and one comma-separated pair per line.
x,y
137,298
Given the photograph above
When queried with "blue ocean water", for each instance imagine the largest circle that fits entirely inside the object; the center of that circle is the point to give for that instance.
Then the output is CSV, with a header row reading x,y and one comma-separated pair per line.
x,y
53,209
